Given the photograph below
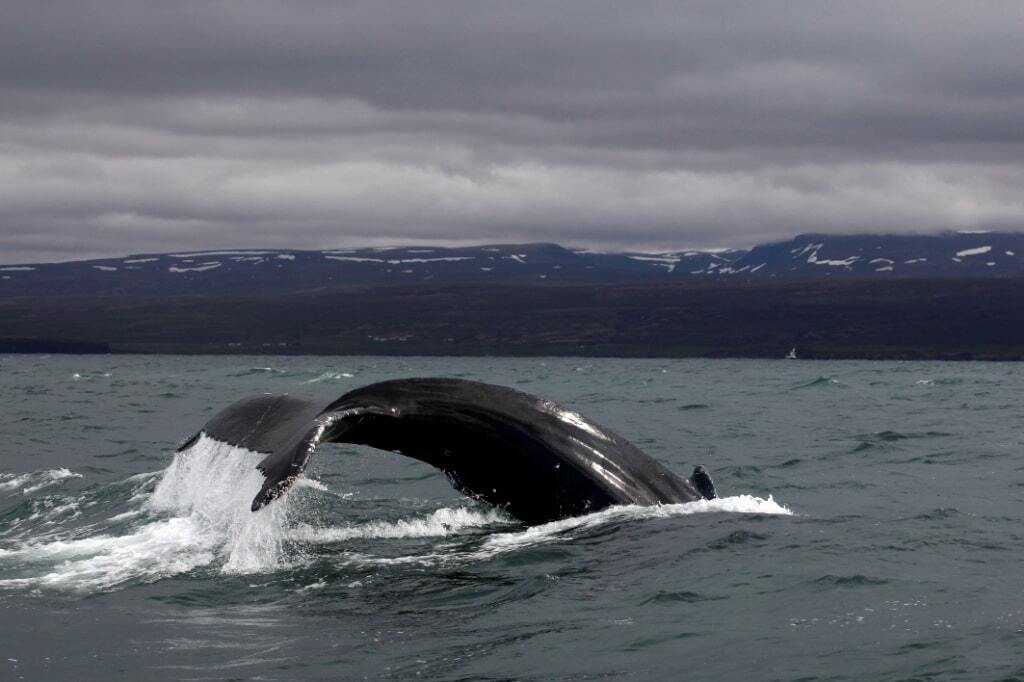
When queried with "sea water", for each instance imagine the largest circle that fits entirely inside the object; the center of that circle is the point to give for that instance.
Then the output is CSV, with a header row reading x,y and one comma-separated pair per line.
x,y
868,528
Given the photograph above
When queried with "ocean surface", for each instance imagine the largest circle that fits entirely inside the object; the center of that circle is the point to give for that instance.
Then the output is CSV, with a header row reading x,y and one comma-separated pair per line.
x,y
869,528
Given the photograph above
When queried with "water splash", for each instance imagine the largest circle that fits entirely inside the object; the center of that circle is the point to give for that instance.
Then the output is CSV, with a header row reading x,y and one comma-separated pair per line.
x,y
212,484
197,516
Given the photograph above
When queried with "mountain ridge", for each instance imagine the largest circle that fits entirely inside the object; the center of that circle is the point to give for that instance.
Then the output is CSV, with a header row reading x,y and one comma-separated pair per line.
x,y
228,272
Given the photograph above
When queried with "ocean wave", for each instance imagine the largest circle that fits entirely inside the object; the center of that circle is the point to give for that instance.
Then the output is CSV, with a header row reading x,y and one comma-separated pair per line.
x,y
566,529
737,504
821,381
256,371
440,523
35,480
867,441
330,376
856,580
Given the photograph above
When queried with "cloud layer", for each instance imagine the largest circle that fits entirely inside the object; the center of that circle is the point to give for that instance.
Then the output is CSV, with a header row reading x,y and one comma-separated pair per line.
x,y
131,126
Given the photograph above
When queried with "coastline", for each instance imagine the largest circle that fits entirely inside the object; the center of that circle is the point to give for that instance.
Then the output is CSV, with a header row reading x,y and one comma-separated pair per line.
x,y
949,319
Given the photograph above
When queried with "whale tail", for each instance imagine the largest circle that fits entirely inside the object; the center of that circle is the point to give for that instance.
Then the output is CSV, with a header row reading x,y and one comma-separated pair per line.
x,y
285,428
536,460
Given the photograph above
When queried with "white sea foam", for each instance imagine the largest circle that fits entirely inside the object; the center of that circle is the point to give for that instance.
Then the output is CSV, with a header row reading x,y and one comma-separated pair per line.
x,y
440,523
311,483
53,509
501,543
212,486
44,521
740,504
198,515
330,376
35,480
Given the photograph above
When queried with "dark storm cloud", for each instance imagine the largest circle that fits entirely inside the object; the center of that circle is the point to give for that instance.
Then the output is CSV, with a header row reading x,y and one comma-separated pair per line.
x,y
131,126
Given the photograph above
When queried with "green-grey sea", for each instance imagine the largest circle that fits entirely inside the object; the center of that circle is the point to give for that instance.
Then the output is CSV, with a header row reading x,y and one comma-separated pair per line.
x,y
869,528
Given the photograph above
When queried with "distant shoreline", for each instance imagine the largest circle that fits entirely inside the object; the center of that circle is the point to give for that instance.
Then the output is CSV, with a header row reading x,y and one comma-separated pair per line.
x,y
66,347
981,319
71,347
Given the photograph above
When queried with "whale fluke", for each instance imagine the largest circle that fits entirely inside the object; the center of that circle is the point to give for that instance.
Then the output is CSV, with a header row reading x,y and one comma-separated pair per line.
x,y
530,456
701,480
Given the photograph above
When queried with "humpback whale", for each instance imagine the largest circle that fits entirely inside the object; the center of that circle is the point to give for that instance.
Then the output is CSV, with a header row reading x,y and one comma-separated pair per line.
x,y
537,460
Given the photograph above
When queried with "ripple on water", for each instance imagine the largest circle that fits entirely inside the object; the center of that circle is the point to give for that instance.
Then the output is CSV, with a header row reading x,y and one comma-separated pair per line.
x,y
856,580
737,537
257,371
820,382
682,596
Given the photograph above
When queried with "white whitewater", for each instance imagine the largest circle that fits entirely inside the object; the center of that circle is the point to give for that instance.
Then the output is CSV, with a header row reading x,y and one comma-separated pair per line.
x,y
197,516
34,481
440,523
741,504
437,525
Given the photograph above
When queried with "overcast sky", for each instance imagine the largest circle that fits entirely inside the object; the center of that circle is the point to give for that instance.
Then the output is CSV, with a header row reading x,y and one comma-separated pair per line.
x,y
131,126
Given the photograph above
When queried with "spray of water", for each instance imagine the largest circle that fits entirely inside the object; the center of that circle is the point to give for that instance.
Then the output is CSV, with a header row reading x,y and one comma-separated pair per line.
x,y
212,485
197,517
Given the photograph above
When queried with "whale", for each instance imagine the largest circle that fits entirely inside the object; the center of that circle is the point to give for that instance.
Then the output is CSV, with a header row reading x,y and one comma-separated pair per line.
x,y
531,457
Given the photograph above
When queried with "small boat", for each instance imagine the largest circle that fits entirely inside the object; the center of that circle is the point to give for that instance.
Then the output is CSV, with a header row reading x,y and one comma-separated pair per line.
x,y
791,355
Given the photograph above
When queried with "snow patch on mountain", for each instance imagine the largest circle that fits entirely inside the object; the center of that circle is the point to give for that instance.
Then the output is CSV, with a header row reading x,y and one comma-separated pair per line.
x,y
977,251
